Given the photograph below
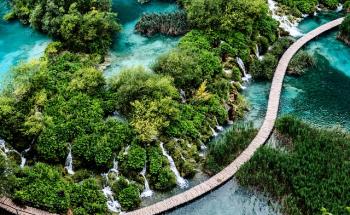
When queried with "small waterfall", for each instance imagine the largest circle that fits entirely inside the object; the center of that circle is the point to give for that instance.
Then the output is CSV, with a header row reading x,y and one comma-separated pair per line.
x,y
215,134
69,162
126,151
147,192
241,65
218,127
112,204
284,21
230,122
203,146
183,96
115,168
257,52
339,8
183,183
6,150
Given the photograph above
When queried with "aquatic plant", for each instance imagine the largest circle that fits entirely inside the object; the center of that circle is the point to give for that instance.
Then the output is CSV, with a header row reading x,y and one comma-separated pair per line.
x,y
173,24
312,174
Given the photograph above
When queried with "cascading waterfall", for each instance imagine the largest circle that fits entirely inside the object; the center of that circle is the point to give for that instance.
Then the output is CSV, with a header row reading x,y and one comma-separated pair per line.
x,y
218,126
115,168
339,8
6,150
214,133
183,96
285,23
147,192
69,161
257,52
112,204
246,76
180,181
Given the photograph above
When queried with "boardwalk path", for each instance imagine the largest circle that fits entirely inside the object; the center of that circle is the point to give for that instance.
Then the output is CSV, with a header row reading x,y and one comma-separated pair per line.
x,y
227,173
259,140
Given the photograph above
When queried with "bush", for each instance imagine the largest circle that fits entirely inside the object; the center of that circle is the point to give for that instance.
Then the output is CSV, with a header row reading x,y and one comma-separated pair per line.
x,y
129,198
134,160
166,180
224,150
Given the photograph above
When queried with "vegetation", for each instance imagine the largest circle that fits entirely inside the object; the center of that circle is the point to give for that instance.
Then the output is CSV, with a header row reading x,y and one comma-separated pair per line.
x,y
60,194
307,173
300,61
85,26
173,24
299,7
344,34
224,150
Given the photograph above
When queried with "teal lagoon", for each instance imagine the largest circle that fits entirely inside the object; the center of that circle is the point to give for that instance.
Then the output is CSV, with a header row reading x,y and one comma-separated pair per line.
x,y
17,43
132,49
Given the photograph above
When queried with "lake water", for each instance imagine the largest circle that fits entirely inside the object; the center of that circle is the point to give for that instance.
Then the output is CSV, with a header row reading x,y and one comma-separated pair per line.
x,y
17,43
130,48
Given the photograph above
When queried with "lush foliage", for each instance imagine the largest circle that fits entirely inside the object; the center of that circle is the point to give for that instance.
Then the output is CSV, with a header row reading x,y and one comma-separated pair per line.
x,y
224,150
308,172
59,194
345,30
81,25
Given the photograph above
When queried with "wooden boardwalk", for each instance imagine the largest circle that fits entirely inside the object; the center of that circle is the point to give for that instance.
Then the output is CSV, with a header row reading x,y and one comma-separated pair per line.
x,y
9,206
227,173
259,140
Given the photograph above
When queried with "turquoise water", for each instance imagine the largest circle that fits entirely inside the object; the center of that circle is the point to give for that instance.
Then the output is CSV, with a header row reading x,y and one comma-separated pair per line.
x,y
130,48
321,95
17,43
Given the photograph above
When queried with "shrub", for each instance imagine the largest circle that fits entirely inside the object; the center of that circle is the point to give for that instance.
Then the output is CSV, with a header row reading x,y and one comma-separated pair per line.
x,y
129,197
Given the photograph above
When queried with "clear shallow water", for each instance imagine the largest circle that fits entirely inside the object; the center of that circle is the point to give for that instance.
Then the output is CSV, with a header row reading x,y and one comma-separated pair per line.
x,y
321,95
230,199
17,43
132,49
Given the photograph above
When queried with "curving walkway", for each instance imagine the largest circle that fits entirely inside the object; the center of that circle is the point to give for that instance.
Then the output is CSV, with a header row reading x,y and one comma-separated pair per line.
x,y
9,206
259,140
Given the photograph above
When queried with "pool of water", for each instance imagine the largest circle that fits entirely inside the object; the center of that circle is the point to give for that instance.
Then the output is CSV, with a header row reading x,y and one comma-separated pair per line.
x,y
17,43
130,48
230,199
320,96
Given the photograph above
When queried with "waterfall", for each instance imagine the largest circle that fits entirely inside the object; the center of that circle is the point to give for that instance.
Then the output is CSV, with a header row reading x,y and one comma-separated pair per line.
x,y
183,183
241,65
147,192
215,134
5,150
115,167
203,146
284,21
69,162
112,204
257,52
339,8
218,127
183,96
